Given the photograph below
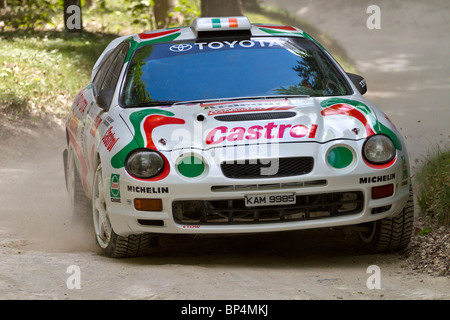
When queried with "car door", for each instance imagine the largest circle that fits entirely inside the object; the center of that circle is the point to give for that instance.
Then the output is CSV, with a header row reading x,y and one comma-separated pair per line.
x,y
96,119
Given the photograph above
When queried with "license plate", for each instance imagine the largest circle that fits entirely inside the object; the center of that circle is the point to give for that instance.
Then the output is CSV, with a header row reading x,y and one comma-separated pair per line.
x,y
269,199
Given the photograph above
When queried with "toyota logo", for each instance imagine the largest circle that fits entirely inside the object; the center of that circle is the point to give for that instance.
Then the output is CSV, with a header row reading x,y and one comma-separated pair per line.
x,y
180,47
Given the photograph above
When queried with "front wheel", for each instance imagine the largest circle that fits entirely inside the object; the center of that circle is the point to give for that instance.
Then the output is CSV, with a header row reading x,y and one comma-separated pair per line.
x,y
112,244
391,235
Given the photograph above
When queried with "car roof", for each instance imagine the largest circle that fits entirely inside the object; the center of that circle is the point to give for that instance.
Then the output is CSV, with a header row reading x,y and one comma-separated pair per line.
x,y
218,29
204,27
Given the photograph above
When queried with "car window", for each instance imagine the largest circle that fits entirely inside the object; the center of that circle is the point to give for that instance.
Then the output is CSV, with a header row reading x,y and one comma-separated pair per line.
x,y
186,71
103,69
116,64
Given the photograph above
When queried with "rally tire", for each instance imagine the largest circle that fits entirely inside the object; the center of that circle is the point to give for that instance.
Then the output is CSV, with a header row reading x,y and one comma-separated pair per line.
x,y
391,235
80,203
130,246
110,243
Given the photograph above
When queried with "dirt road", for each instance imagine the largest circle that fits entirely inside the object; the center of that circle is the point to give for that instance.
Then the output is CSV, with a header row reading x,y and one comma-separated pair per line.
x,y
39,241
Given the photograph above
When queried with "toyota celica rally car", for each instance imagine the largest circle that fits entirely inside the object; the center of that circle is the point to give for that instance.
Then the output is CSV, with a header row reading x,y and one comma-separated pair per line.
x,y
228,127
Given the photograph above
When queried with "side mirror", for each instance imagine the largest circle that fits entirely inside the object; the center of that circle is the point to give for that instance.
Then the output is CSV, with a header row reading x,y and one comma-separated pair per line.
x,y
104,98
359,82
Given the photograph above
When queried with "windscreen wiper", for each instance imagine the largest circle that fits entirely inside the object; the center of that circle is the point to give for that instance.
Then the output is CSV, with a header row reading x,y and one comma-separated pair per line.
x,y
284,96
155,103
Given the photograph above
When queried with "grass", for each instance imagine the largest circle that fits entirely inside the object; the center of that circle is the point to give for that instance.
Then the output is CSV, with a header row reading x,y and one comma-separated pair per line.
x,y
434,188
41,72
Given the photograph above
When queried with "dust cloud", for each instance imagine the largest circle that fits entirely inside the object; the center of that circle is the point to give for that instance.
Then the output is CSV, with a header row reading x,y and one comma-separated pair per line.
x,y
35,205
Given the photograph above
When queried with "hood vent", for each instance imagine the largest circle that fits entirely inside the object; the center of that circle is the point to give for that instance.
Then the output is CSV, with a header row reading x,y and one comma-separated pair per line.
x,y
256,116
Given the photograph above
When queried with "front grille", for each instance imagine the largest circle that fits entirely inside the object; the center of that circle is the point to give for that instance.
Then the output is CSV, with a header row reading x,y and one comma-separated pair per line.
x,y
256,116
269,186
267,168
234,211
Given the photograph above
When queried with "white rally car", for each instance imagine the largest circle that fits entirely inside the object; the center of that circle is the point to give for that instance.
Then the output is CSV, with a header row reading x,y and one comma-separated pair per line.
x,y
230,127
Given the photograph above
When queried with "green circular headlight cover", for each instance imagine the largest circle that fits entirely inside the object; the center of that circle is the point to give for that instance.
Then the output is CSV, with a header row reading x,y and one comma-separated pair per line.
x,y
191,167
340,157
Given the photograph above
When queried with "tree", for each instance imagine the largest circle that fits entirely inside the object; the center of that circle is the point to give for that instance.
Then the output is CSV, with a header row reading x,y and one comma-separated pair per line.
x,y
220,8
72,15
165,14
89,3
162,13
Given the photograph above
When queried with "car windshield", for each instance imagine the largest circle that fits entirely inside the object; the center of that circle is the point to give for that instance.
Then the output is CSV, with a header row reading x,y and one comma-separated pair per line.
x,y
206,70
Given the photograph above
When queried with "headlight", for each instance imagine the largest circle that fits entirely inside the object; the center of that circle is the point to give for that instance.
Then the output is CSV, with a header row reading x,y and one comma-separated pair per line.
x,y
379,149
144,163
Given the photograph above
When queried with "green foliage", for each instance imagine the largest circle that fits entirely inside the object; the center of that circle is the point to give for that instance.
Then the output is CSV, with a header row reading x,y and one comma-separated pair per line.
x,y
27,14
142,12
189,9
424,231
434,188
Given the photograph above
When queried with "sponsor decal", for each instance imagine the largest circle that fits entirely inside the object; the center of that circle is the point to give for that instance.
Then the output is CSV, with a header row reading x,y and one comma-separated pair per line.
x,y
109,139
158,35
215,45
284,28
108,121
150,119
268,131
81,102
191,226
180,47
244,108
138,189
349,110
249,105
358,110
375,179
380,166
115,188
149,38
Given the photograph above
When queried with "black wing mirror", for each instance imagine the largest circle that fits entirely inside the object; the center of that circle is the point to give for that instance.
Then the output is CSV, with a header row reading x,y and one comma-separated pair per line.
x,y
359,82
104,98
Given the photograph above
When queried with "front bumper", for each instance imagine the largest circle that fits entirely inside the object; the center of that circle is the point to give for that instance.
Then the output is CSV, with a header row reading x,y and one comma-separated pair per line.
x,y
215,204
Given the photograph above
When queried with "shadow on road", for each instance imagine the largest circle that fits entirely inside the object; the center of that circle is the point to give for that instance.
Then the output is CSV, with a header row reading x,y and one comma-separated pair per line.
x,y
307,248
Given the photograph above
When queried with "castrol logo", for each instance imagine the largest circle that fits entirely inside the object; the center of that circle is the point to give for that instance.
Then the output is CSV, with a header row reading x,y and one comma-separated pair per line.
x,y
270,131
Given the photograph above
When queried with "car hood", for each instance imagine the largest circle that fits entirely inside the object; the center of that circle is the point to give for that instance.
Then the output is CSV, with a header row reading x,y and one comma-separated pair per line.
x,y
244,122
